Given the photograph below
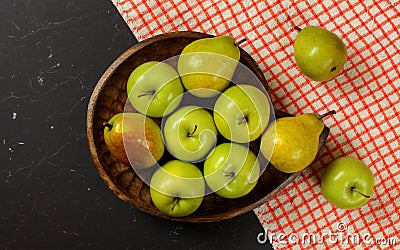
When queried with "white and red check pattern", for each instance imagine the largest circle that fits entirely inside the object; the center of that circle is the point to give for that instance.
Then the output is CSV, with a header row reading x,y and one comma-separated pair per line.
x,y
365,95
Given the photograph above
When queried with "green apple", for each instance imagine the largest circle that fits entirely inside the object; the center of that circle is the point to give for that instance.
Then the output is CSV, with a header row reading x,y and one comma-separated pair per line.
x,y
319,53
241,113
347,183
177,188
190,133
134,139
154,89
231,170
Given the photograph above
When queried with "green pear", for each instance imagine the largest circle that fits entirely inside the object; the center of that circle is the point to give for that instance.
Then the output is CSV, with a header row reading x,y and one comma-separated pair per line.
x,y
206,66
134,139
319,53
291,143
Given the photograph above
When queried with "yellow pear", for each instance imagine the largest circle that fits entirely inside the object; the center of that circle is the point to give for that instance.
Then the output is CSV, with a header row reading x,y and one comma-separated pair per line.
x,y
291,143
207,65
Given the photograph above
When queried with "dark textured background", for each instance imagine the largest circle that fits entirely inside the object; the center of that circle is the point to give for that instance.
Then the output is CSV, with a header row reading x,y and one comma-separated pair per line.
x,y
51,55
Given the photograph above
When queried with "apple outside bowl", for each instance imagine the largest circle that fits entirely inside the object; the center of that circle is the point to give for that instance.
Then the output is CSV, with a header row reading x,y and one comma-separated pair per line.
x,y
109,97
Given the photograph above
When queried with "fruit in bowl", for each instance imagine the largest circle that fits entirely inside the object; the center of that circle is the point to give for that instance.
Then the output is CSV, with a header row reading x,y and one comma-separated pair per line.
x,y
134,139
241,113
292,143
133,185
154,89
207,65
231,170
190,133
177,188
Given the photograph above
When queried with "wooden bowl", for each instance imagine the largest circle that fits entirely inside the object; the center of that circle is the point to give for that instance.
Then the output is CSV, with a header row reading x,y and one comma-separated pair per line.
x,y
109,97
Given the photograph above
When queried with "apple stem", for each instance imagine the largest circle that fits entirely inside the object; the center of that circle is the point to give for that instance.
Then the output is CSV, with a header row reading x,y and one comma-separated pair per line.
x,y
354,189
297,28
332,112
243,120
230,174
240,42
176,199
151,92
191,133
108,125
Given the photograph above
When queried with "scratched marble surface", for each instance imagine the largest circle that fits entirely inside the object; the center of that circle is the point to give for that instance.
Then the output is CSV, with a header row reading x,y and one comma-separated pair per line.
x,y
51,55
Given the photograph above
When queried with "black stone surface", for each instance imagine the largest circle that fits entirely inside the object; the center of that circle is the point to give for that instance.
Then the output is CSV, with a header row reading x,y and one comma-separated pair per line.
x,y
51,55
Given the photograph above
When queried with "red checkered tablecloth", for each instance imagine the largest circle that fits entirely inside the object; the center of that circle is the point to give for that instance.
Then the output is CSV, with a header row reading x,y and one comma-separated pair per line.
x,y
365,95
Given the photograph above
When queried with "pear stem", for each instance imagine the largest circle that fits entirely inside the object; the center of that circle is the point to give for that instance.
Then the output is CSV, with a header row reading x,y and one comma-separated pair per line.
x,y
176,199
240,42
332,112
297,28
354,189
151,92
108,125
191,133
